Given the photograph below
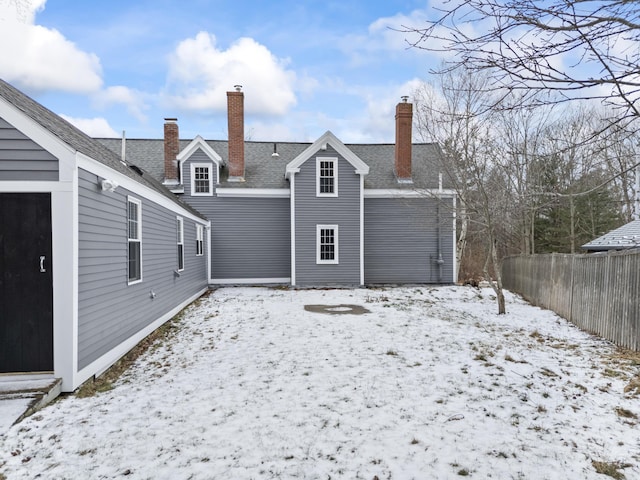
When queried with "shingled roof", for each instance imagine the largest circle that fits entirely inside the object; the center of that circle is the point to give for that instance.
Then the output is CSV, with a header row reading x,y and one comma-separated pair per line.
x,y
81,142
262,170
627,236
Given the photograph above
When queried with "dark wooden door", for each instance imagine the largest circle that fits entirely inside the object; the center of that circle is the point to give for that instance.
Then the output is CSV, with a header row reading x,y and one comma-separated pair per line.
x,y
26,283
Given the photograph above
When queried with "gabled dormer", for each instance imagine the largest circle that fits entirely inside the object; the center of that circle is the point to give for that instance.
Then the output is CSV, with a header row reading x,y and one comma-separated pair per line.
x,y
199,167
324,151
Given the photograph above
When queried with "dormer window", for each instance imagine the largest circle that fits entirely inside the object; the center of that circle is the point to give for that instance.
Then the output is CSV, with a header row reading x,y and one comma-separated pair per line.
x,y
201,179
326,177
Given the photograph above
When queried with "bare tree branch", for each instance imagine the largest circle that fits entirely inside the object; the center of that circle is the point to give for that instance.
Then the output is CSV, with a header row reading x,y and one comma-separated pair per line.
x,y
579,49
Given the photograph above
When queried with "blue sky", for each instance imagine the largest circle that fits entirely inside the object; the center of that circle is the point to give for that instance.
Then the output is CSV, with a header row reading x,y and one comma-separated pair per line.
x,y
305,66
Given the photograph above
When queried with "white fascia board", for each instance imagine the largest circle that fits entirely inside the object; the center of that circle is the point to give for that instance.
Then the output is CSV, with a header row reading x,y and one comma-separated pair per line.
x,y
248,281
328,138
199,143
405,193
253,192
43,137
138,189
35,186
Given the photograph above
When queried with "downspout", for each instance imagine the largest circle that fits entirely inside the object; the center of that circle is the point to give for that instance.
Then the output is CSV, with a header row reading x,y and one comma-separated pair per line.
x,y
636,210
440,260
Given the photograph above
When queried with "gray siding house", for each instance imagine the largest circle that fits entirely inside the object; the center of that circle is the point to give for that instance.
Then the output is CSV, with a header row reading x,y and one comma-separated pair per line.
x,y
311,214
95,253
103,240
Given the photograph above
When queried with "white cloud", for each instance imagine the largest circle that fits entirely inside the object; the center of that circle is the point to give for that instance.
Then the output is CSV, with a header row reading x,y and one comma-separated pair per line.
x,y
200,74
385,35
270,131
378,124
121,95
23,11
40,58
94,127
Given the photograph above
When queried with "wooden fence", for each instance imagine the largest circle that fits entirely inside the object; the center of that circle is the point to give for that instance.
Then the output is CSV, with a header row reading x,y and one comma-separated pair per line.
x,y
600,293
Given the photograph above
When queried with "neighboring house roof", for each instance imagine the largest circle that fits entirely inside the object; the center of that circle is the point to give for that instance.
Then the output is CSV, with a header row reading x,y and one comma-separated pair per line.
x,y
627,236
83,143
262,170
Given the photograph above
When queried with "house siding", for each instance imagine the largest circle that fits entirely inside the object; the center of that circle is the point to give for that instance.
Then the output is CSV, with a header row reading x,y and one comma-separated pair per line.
x,y
22,159
250,237
343,210
109,310
401,240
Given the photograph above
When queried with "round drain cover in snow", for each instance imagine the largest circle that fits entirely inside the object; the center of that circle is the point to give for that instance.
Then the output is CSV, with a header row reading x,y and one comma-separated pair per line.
x,y
337,309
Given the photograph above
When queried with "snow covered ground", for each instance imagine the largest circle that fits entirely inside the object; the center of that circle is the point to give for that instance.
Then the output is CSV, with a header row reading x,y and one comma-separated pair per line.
x,y
430,384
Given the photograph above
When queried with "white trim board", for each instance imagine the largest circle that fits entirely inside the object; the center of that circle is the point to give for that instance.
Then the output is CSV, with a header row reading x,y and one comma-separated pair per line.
x,y
248,281
293,229
408,193
320,145
253,192
43,137
361,230
30,186
138,189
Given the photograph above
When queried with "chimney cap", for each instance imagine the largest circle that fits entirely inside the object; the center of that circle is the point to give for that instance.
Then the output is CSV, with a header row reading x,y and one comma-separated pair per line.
x,y
404,98
171,120
238,88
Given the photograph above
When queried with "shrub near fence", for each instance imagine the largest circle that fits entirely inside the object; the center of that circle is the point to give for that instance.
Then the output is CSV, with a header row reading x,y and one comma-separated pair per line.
x,y
599,293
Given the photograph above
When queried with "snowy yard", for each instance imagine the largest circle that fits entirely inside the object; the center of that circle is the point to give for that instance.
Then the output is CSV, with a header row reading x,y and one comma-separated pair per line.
x,y
430,384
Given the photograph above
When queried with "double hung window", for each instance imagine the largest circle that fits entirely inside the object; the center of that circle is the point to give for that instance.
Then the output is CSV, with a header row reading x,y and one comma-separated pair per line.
x,y
326,244
326,177
180,242
201,179
134,234
199,240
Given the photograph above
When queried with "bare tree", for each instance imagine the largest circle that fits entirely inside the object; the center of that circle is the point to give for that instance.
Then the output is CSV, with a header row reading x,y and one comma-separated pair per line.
x,y
454,113
521,134
620,153
565,49
451,112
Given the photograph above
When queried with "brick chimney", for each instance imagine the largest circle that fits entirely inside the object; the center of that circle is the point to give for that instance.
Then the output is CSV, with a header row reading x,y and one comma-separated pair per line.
x,y
171,150
404,118
235,115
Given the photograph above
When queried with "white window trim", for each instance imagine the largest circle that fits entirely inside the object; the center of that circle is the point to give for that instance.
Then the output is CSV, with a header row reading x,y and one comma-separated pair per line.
x,y
336,260
208,166
138,202
180,241
334,161
199,240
